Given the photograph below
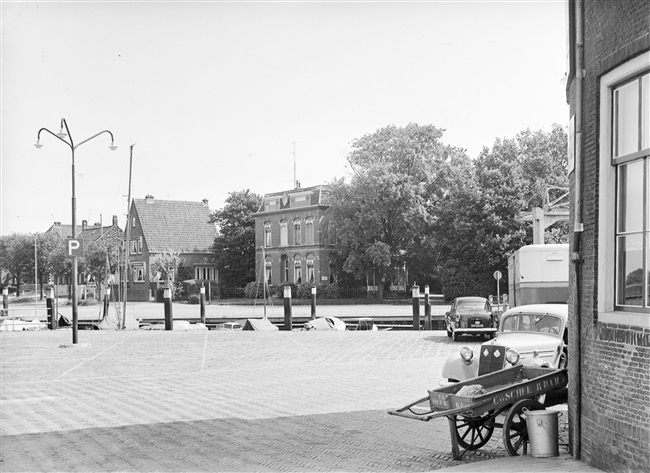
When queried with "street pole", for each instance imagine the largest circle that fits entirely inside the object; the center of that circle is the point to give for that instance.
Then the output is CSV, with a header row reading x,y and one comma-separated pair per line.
x,y
61,136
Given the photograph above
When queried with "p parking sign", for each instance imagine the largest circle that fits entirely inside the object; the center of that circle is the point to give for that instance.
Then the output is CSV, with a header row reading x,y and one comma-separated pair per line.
x,y
75,247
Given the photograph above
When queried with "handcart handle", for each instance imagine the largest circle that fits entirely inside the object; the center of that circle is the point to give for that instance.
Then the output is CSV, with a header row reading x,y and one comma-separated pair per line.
x,y
407,411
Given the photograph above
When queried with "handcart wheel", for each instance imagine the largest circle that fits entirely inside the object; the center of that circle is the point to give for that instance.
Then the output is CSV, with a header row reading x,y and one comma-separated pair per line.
x,y
515,433
473,432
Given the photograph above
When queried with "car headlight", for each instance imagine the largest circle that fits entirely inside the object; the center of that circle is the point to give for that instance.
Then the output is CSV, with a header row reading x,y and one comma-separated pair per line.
x,y
467,354
512,356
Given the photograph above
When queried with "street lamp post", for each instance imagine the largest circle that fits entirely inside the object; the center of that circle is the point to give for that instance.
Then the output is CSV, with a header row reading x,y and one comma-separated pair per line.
x,y
62,135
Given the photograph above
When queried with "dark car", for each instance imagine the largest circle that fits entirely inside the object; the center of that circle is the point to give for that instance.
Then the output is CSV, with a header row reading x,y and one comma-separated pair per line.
x,y
470,316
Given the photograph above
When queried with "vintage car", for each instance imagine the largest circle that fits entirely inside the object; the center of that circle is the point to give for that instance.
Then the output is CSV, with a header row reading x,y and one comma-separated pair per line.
x,y
470,316
529,335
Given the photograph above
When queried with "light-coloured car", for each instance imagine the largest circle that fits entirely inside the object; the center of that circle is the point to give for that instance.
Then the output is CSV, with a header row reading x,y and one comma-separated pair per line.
x,y
470,316
529,335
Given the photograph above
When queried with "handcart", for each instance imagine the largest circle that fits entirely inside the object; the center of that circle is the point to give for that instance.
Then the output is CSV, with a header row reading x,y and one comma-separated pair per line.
x,y
472,406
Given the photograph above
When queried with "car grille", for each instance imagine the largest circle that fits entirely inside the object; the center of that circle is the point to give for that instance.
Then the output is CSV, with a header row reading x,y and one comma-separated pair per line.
x,y
492,358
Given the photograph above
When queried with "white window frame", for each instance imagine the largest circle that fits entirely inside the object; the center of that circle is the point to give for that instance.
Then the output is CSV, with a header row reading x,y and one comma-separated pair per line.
x,y
268,272
297,271
284,233
268,238
607,200
138,271
309,231
297,232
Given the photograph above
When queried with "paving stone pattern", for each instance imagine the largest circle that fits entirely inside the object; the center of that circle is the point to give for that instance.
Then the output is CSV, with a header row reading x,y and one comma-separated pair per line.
x,y
222,401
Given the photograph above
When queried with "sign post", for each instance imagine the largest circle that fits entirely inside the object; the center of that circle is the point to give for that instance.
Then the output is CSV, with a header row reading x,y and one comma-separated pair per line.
x,y
497,275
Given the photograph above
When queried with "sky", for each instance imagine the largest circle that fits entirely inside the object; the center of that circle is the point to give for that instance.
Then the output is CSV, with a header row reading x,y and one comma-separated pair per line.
x,y
221,97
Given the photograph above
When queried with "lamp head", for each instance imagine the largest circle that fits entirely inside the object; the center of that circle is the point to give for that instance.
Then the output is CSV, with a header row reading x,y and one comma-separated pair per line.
x,y
38,144
62,134
112,147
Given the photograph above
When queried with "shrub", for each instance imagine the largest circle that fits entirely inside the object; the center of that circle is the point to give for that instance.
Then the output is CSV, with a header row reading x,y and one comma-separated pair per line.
x,y
194,299
254,290
304,290
332,291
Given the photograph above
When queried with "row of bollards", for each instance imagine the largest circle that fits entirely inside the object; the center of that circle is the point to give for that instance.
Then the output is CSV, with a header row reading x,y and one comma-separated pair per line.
x,y
415,292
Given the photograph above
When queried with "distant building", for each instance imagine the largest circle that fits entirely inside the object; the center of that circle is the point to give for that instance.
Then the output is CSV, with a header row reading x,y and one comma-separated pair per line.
x,y
292,244
89,234
608,90
167,226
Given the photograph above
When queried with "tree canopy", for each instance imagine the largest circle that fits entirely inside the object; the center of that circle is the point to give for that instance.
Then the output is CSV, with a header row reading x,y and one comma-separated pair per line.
x,y
414,201
235,243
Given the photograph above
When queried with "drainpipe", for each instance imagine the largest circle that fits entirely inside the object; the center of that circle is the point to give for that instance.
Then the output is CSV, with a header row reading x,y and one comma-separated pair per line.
x,y
578,227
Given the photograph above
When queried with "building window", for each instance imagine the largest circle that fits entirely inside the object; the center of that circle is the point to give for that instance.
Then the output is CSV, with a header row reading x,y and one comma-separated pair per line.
x,y
630,150
297,233
268,271
267,235
138,273
624,194
309,231
133,222
297,270
285,269
310,268
273,204
205,272
136,246
284,233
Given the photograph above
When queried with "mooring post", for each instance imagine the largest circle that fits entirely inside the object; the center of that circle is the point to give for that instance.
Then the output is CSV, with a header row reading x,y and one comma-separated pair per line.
x,y
107,299
287,308
49,303
202,300
427,309
169,319
416,307
313,302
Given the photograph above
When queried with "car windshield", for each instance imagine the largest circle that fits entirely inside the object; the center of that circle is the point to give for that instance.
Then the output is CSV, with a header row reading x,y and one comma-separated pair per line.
x,y
464,305
543,323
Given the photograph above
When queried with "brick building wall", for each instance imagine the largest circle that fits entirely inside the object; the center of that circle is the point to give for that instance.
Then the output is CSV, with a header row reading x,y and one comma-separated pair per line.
x,y
609,389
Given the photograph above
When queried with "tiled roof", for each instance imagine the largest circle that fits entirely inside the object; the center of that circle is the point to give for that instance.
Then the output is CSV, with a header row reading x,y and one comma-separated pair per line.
x,y
89,235
179,227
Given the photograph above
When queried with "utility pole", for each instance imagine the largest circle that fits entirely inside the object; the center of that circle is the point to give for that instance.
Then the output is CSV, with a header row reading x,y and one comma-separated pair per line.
x,y
127,246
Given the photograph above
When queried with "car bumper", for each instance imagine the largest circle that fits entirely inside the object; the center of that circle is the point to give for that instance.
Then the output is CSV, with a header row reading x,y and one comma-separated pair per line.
x,y
474,331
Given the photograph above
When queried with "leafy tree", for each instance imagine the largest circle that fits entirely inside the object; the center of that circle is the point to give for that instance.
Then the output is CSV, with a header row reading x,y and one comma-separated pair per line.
x,y
166,264
235,243
17,256
477,227
101,257
381,217
46,243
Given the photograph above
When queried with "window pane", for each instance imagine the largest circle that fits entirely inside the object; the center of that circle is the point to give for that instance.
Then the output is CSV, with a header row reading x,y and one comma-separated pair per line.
x,y
629,270
626,125
645,114
630,197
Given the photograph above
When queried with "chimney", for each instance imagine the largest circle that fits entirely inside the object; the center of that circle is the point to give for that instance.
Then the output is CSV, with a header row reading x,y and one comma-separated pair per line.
x,y
205,202
115,220
84,225
149,199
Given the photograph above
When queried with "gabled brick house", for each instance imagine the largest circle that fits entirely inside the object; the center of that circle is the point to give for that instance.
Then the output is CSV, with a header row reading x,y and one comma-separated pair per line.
x,y
167,226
